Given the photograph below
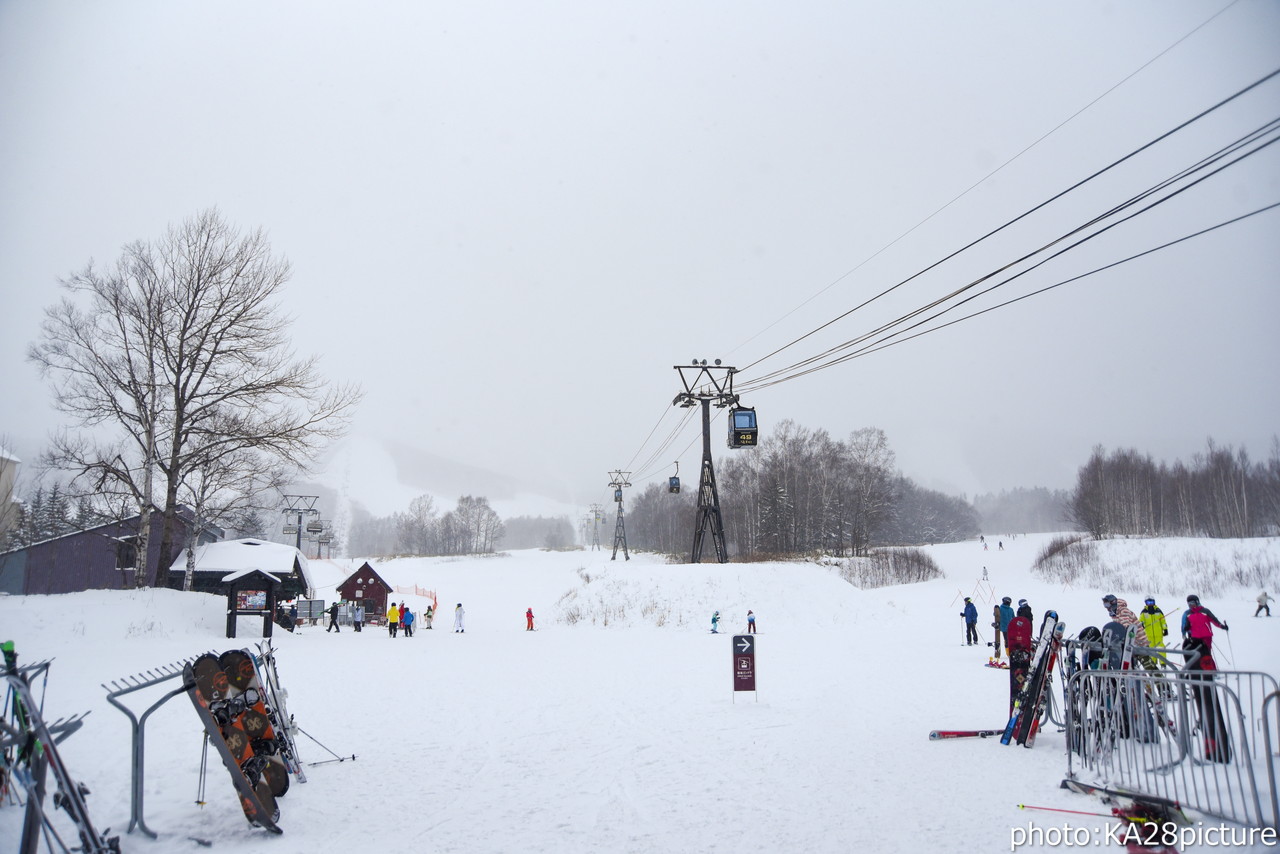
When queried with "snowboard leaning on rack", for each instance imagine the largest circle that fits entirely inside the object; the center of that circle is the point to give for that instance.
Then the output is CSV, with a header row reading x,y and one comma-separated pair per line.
x,y
227,701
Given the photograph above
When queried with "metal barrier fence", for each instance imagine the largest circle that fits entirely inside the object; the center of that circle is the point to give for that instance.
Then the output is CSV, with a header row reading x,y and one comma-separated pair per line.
x,y
1201,738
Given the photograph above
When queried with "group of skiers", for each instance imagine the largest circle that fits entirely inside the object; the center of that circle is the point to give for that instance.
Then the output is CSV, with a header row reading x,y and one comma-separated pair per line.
x,y
400,618
1002,616
1149,626
751,622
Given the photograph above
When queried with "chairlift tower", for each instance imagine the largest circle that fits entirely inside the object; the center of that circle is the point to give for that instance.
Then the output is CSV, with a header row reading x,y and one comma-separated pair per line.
x,y
706,385
299,506
617,481
596,515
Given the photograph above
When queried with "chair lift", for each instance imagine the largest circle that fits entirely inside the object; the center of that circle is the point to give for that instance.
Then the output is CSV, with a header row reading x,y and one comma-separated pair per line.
x,y
742,427
673,483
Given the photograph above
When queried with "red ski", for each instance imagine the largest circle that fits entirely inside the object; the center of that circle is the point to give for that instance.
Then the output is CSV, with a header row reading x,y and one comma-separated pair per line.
x,y
939,734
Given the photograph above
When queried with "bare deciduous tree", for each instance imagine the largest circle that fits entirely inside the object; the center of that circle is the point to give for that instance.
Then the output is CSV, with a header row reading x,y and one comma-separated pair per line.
x,y
177,358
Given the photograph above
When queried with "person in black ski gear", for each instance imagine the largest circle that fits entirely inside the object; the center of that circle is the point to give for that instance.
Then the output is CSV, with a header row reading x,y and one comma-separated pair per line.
x,y
970,614
1024,610
333,619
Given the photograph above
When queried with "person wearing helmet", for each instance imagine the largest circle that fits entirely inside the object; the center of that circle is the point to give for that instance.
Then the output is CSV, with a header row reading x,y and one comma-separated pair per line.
x,y
1024,610
1119,611
1005,612
715,623
1197,631
1153,622
970,614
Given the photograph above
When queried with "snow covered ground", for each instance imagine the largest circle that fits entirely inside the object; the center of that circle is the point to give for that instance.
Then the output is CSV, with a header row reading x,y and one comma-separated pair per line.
x,y
613,728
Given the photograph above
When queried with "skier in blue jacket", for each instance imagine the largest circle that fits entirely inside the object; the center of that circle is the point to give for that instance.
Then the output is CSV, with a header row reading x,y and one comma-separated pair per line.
x,y
715,623
970,614
1006,616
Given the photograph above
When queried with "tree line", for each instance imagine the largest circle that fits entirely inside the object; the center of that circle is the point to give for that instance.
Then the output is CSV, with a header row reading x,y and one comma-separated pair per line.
x,y
802,491
1220,493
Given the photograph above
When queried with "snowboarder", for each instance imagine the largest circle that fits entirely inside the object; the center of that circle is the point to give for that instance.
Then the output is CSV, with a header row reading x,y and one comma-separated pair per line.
x,y
393,619
459,619
403,611
357,618
1197,626
333,619
1024,610
528,620
406,620
429,616
1001,542
751,622
1263,599
715,623
970,614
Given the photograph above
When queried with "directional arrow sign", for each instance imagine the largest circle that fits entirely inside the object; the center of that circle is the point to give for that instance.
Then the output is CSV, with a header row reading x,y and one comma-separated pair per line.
x,y
744,644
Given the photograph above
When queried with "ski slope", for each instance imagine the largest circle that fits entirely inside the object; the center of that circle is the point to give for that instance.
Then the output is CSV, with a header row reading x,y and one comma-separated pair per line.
x,y
613,728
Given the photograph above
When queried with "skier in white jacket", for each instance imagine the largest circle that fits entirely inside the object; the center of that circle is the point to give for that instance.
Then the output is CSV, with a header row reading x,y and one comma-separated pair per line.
x,y
459,619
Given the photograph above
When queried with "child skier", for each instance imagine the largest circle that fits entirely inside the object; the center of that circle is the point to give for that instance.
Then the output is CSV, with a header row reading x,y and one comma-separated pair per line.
x,y
715,623
528,618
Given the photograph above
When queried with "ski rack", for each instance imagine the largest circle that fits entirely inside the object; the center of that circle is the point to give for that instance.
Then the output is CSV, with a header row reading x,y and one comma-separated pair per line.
x,y
127,685
70,795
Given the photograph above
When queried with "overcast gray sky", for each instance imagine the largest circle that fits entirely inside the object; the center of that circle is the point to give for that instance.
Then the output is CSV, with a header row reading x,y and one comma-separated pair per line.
x,y
508,221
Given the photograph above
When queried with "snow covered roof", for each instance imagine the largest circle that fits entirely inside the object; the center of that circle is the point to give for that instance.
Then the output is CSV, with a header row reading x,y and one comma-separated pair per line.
x,y
233,558
240,573
6,454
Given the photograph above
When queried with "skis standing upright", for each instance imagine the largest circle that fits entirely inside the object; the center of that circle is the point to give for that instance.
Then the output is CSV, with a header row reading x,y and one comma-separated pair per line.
x,y
38,752
1022,703
1019,638
1039,689
281,720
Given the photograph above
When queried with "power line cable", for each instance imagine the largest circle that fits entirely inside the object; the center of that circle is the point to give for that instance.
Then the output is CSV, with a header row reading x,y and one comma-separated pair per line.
x,y
886,344
988,176
1023,215
1202,164
889,342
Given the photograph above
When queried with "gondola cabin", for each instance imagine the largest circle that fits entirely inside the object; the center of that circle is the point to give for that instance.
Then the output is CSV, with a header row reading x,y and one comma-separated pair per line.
x,y
742,427
617,495
673,484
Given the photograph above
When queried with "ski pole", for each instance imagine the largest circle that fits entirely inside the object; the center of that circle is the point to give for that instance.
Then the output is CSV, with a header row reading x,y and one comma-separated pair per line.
x,y
1056,809
336,757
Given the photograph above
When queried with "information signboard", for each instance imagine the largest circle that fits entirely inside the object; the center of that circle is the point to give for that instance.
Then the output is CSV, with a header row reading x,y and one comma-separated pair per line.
x,y
744,663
